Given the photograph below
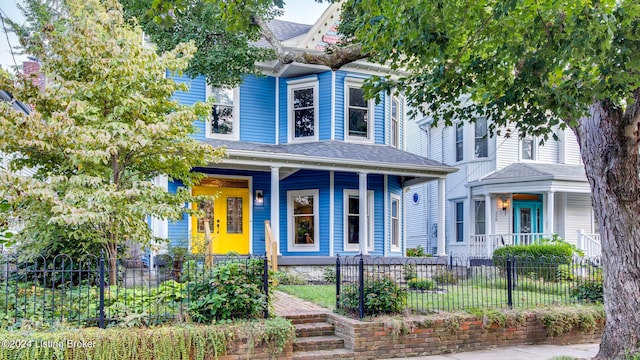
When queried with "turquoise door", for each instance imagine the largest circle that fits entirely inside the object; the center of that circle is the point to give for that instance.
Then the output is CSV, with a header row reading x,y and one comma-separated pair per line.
x,y
527,219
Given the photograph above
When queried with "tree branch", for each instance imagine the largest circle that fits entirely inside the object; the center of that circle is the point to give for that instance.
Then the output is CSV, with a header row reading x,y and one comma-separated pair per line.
x,y
335,59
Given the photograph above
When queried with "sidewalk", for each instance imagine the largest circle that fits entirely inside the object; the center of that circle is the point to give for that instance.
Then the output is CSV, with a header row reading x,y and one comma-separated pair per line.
x,y
523,352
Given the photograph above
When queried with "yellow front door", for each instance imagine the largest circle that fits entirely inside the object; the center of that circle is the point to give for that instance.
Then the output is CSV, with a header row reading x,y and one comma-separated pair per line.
x,y
228,217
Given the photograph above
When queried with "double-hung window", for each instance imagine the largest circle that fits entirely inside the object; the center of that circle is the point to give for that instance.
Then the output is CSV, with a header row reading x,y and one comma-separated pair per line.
x,y
480,217
303,109
395,222
359,119
395,122
459,220
352,220
303,220
482,141
459,142
223,122
528,149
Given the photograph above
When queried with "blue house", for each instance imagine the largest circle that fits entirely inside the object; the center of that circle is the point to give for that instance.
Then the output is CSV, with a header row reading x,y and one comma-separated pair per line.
x,y
307,152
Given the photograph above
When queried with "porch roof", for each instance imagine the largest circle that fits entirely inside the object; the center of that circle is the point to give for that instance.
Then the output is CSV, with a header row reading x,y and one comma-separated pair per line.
x,y
334,155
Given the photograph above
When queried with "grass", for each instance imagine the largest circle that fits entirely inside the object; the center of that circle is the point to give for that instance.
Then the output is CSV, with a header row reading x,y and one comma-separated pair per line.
x,y
323,295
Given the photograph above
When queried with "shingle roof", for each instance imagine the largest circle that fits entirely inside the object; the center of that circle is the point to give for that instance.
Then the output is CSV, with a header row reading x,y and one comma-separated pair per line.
x,y
284,30
332,150
534,170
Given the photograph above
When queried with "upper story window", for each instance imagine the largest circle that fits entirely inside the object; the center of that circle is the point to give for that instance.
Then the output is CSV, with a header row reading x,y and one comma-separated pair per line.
x,y
303,109
223,122
358,113
528,149
482,141
395,122
459,142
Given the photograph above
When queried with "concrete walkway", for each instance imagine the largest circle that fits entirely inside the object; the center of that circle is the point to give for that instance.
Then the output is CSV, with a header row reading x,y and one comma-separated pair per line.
x,y
286,305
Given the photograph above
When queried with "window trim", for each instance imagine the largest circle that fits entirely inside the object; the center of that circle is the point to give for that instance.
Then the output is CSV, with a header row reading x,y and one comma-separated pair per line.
x,y
235,132
291,245
475,216
358,83
293,85
395,120
485,138
346,193
458,222
398,232
459,155
534,148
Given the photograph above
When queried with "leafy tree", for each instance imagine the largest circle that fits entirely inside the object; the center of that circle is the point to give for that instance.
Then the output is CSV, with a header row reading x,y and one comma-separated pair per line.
x,y
103,128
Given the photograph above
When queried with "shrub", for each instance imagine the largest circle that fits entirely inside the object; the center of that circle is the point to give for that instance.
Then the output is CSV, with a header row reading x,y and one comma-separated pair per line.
x,y
381,296
418,251
329,275
445,277
284,278
421,284
231,290
589,290
410,271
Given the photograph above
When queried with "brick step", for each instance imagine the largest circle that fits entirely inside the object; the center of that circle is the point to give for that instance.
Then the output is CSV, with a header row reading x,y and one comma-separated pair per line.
x,y
324,355
314,343
314,329
307,318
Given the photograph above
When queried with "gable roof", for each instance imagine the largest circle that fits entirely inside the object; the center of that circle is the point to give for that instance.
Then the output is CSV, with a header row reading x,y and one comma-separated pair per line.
x,y
334,155
284,30
520,171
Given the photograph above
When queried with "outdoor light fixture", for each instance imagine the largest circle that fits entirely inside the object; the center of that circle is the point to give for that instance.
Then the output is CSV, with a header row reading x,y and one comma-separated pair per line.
x,y
259,198
503,203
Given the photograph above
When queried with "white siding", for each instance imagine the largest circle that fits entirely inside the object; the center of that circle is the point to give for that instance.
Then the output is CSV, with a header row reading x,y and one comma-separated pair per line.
x,y
578,215
559,213
416,215
571,149
507,149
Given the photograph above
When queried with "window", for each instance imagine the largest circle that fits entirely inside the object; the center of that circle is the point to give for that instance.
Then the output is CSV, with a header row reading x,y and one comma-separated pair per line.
x,y
352,220
395,123
303,110
459,220
303,220
480,217
395,222
528,149
481,138
459,142
223,120
234,215
358,113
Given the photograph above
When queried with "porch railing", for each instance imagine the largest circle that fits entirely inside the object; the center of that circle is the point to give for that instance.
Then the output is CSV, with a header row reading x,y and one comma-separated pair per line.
x,y
271,246
589,243
484,245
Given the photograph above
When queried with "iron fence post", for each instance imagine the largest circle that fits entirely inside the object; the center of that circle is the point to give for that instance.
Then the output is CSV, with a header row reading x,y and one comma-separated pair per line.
x,y
101,305
509,283
265,281
361,287
338,282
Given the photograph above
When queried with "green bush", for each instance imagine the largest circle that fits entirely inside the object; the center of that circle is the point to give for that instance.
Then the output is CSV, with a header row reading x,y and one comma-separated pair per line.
x,y
589,290
418,251
231,290
284,278
329,274
445,277
410,271
421,284
381,296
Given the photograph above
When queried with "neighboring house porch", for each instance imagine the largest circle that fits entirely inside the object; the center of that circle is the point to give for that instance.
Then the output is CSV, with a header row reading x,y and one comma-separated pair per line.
x,y
525,202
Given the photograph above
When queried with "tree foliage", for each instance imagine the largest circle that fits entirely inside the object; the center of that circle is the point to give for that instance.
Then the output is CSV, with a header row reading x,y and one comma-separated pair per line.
x,y
103,128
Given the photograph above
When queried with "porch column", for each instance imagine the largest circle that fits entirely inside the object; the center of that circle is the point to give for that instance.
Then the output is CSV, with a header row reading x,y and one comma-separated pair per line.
x,y
441,249
550,206
488,225
363,209
275,204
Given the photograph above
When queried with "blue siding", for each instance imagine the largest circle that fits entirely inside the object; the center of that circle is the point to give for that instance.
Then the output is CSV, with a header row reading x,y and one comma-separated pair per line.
x,y
258,109
282,112
324,98
379,118
197,92
178,231
306,180
339,109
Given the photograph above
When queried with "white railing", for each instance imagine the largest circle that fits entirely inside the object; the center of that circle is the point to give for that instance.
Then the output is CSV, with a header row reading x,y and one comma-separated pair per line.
x,y
484,245
589,243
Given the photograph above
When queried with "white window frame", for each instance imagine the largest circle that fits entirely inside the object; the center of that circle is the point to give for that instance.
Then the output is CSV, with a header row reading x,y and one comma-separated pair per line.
x,y
485,138
291,245
477,210
357,83
235,131
370,229
457,221
398,230
459,154
292,86
534,148
395,120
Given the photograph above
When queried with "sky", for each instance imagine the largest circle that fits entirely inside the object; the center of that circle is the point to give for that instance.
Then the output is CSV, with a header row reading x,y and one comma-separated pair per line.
x,y
299,11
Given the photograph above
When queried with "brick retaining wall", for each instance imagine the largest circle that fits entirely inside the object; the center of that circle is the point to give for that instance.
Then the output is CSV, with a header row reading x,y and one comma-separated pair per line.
x,y
373,340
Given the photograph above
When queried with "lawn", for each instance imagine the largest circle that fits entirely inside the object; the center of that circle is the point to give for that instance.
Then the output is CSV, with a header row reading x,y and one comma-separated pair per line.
x,y
323,295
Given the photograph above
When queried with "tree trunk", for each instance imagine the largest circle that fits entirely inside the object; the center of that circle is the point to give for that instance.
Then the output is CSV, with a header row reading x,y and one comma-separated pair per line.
x,y
608,141
112,253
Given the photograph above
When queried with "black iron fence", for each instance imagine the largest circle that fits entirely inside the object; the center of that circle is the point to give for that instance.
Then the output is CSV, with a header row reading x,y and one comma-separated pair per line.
x,y
196,287
372,285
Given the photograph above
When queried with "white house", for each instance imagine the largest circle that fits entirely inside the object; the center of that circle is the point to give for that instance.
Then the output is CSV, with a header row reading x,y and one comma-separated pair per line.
x,y
507,190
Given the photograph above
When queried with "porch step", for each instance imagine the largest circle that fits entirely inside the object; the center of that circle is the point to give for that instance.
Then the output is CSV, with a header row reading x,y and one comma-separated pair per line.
x,y
315,343
314,329
324,355
307,318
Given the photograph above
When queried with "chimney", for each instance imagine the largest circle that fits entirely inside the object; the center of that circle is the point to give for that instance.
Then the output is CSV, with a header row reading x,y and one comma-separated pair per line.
x,y
29,68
